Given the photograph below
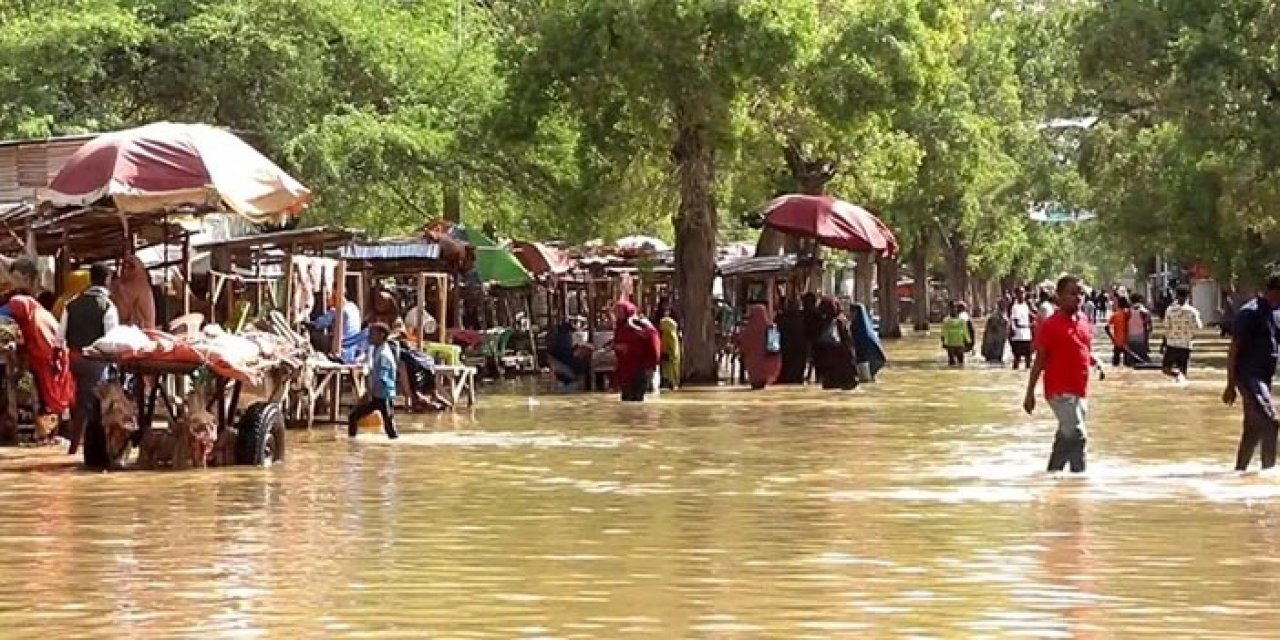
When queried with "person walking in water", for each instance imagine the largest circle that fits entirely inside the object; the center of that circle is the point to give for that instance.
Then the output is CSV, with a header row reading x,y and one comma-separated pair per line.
x,y
1183,321
1251,364
639,352
1063,347
995,335
957,334
1118,330
1020,322
383,366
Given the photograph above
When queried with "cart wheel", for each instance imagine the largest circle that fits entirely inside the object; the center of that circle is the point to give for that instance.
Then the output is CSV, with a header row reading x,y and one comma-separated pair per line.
x,y
261,435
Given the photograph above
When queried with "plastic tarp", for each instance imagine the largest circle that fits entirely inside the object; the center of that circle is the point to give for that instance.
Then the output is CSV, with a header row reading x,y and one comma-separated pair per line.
x,y
495,264
168,165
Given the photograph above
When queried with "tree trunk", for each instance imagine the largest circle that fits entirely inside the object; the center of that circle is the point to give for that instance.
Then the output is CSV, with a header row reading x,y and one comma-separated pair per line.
x,y
920,290
890,322
452,203
695,250
771,242
958,269
864,278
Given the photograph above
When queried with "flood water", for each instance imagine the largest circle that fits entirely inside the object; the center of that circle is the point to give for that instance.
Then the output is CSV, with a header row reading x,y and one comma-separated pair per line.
x,y
915,507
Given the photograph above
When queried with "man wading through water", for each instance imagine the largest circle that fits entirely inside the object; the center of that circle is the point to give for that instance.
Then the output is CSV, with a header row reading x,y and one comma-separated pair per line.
x,y
1063,346
1251,363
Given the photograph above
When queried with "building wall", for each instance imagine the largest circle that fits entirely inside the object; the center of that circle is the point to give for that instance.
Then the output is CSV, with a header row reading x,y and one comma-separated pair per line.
x,y
27,167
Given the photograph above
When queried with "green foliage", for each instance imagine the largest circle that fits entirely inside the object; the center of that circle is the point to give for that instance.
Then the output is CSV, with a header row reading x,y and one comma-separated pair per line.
x,y
1185,162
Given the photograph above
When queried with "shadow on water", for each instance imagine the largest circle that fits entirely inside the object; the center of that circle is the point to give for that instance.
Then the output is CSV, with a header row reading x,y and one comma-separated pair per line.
x,y
912,507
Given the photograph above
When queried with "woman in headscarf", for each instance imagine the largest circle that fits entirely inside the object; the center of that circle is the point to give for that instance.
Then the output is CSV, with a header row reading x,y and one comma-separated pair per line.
x,y
132,295
762,360
795,344
47,360
866,344
995,335
672,351
834,354
638,348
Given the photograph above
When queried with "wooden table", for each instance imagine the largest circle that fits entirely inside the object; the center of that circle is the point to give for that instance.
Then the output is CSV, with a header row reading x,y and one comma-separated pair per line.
x,y
457,381
328,387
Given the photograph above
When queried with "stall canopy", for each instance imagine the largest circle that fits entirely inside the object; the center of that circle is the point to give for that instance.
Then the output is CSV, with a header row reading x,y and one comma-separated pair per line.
x,y
494,264
539,259
166,165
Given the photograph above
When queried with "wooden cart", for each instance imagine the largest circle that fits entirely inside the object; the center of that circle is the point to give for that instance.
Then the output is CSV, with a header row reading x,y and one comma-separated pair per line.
x,y
260,439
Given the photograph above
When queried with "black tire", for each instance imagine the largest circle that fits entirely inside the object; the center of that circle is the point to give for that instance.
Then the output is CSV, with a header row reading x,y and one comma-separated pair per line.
x,y
260,440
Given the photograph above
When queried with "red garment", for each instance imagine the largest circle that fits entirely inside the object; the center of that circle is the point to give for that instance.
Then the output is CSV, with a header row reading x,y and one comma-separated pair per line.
x,y
762,367
636,343
50,364
1067,343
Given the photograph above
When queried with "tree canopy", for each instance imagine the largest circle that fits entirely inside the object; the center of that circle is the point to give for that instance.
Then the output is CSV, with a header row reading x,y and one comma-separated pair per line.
x,y
576,119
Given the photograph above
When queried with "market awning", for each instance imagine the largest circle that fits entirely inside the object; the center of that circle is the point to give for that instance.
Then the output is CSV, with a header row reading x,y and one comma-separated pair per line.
x,y
494,264
170,166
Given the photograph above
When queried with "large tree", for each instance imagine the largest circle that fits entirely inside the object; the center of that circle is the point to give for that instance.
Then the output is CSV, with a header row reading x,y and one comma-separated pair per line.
x,y
661,79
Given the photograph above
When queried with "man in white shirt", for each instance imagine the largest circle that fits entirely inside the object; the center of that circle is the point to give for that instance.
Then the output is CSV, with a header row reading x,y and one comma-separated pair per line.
x,y
1181,323
1020,328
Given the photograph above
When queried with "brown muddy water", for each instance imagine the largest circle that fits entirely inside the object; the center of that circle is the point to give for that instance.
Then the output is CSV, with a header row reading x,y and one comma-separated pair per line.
x,y
915,507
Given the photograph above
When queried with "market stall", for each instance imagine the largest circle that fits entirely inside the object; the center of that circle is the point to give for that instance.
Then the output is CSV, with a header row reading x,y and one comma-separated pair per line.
x,y
126,191
423,266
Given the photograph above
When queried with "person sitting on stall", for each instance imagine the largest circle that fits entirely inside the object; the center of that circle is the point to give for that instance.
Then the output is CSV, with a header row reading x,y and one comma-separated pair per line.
x,y
419,320
417,377
354,339
567,361
132,294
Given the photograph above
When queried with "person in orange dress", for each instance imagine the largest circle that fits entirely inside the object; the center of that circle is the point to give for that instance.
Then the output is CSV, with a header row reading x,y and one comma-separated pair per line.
x,y
761,356
1118,331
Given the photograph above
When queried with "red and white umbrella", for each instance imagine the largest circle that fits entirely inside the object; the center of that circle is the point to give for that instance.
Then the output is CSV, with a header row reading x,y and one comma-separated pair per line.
x,y
832,223
167,165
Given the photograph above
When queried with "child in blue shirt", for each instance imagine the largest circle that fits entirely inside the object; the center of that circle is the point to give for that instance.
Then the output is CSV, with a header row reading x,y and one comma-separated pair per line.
x,y
383,365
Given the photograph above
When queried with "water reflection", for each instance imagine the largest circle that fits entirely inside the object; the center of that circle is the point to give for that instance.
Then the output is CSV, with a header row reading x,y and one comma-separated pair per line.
x,y
916,507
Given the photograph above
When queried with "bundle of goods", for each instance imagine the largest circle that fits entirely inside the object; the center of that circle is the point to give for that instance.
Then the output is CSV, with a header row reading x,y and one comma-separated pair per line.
x,y
245,357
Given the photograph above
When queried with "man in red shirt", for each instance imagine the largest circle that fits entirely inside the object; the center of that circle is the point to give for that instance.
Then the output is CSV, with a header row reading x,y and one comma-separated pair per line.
x,y
1064,354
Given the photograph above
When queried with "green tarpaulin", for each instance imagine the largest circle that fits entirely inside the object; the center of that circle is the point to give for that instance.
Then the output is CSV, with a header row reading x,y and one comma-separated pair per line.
x,y
494,264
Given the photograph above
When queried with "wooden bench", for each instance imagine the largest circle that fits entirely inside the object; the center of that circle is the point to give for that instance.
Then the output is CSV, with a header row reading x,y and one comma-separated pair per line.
x,y
457,381
328,387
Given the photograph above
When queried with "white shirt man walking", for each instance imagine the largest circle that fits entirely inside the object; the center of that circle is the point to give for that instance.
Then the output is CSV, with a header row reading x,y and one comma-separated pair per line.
x,y
1182,321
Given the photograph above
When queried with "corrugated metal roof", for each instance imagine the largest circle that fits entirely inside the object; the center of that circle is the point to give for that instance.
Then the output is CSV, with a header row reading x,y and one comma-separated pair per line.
x,y
419,250
762,264
83,137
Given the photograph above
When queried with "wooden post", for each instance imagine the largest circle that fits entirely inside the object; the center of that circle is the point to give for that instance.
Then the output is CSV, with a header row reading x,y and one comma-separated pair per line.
x,y
420,330
186,273
442,298
287,268
339,294
287,289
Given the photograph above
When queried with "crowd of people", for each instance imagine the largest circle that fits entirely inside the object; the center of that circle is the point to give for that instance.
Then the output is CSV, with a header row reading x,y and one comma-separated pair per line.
x,y
1060,337
1129,327
810,339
